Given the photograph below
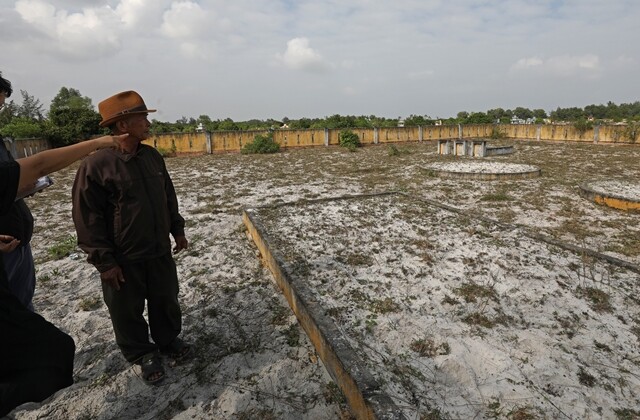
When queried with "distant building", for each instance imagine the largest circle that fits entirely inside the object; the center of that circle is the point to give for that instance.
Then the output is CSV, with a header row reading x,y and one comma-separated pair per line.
x,y
516,120
400,122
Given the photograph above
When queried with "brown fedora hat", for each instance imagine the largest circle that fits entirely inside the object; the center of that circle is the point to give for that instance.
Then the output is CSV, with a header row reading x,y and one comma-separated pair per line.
x,y
121,105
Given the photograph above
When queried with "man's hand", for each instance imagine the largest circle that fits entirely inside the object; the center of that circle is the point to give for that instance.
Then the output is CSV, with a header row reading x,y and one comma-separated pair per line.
x,y
181,243
8,243
113,277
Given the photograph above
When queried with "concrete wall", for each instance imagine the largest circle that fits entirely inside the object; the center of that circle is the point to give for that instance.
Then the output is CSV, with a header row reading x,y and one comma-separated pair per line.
x,y
25,147
233,141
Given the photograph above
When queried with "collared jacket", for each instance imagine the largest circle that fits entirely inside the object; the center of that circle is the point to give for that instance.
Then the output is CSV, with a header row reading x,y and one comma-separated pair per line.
x,y
125,207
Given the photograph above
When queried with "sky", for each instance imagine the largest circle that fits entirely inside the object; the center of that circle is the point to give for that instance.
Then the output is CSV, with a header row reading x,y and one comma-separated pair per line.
x,y
258,59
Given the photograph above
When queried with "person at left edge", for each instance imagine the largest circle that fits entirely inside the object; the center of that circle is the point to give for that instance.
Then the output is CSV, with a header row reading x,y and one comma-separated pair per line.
x,y
36,358
17,222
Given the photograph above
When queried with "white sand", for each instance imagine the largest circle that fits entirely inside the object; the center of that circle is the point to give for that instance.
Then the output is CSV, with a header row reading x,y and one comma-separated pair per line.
x,y
392,271
253,361
482,167
617,188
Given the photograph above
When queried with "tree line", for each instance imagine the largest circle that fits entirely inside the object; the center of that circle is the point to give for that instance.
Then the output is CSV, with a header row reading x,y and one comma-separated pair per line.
x,y
72,117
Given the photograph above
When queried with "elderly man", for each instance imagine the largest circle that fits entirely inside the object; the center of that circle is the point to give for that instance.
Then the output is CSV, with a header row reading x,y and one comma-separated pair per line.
x,y
124,209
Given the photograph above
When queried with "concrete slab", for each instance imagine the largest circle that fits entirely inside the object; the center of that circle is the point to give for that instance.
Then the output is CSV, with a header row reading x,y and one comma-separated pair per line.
x,y
420,310
483,170
618,194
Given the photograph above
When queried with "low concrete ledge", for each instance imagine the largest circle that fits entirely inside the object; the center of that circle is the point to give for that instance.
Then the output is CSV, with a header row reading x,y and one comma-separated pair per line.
x,y
483,176
499,150
483,170
608,199
363,393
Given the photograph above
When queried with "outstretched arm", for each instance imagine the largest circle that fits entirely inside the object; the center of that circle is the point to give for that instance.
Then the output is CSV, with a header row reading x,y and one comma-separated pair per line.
x,y
48,161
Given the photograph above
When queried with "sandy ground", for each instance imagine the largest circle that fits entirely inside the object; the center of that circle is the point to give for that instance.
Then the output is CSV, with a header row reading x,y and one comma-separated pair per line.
x,y
253,361
460,318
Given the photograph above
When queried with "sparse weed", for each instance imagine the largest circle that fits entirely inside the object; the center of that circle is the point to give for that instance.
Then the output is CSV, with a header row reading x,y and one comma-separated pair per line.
x,y
90,303
426,347
63,247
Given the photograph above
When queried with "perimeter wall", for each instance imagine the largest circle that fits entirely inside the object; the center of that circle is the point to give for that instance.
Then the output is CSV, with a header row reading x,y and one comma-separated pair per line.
x,y
233,141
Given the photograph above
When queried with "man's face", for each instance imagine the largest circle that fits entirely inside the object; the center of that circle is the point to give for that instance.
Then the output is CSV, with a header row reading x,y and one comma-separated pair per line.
x,y
3,97
137,126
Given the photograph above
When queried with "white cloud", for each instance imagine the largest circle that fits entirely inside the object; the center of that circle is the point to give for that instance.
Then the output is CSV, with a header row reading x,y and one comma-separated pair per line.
x,y
185,20
300,56
587,65
90,33
188,24
141,13
525,63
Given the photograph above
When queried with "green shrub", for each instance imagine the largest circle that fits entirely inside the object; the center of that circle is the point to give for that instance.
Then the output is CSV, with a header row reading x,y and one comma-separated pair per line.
x,y
168,152
583,125
262,143
496,133
631,131
349,139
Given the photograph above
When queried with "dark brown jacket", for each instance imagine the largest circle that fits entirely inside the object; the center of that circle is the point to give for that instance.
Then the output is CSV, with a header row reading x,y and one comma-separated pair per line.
x,y
125,207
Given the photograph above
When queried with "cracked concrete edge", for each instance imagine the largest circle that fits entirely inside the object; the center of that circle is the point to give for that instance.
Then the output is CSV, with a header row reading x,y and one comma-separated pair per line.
x,y
610,200
481,176
362,392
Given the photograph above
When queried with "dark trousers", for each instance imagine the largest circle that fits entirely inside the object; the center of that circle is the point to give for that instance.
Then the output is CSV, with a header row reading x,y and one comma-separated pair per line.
x,y
21,274
156,282
36,358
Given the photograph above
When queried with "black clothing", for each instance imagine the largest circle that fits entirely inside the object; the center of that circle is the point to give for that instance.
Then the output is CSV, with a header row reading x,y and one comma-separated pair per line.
x,y
18,221
9,178
125,207
158,281
36,358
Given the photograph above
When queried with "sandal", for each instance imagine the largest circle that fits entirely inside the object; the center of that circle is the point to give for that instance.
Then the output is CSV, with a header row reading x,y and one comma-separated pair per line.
x,y
152,370
178,350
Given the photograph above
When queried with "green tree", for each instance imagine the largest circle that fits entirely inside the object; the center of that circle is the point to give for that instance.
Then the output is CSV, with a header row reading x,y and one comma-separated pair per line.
x,y
567,114
539,114
70,98
71,118
228,125
417,120
22,128
496,114
160,127
9,112
462,116
523,113
31,107
478,118
302,123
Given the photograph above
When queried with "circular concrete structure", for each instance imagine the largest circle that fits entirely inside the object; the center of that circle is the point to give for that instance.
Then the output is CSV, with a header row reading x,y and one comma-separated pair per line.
x,y
484,170
622,195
